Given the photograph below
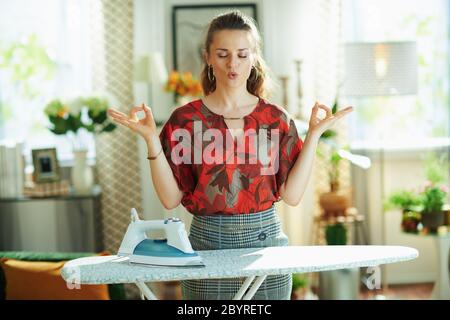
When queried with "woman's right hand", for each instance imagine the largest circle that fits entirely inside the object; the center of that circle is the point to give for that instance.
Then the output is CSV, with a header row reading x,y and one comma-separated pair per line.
x,y
145,127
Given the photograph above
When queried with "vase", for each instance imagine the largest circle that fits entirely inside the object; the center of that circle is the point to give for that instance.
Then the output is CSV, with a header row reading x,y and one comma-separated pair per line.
x,y
410,221
433,220
82,175
334,204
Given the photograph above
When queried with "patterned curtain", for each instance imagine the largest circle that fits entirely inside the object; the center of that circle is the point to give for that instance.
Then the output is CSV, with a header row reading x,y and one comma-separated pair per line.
x,y
328,67
117,152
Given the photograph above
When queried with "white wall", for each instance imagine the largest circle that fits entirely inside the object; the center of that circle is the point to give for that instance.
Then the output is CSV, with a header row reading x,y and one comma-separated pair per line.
x,y
148,37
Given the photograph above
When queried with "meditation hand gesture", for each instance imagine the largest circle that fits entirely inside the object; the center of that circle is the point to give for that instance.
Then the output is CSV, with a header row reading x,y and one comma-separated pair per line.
x,y
146,127
319,126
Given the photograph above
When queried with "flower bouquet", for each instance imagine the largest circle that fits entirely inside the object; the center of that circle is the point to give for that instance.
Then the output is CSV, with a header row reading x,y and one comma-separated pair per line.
x,y
183,85
89,113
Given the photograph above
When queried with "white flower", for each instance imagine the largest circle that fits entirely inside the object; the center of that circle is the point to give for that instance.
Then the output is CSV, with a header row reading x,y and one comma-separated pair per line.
x,y
55,109
75,105
98,102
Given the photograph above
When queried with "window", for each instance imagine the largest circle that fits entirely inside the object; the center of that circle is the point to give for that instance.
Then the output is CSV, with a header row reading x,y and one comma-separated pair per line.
x,y
57,30
405,121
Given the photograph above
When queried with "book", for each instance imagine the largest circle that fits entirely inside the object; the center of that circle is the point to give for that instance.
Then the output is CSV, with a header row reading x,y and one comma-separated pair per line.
x,y
11,169
47,189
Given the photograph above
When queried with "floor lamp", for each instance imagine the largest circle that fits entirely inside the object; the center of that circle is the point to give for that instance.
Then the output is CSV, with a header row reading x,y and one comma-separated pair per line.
x,y
380,69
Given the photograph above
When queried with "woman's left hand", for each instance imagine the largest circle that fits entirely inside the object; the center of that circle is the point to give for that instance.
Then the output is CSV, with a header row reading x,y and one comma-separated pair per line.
x,y
319,126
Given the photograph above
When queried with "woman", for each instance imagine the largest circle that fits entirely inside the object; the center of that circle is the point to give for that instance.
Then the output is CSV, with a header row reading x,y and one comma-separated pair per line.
x,y
217,148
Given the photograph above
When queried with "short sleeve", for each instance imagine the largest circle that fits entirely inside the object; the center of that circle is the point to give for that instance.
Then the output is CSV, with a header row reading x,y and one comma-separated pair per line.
x,y
290,148
182,172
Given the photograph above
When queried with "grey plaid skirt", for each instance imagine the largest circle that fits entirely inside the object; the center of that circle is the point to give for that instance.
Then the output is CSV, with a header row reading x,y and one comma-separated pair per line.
x,y
255,230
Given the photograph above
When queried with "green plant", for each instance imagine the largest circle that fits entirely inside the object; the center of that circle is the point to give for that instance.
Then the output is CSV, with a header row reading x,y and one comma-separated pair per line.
x,y
410,221
88,113
299,281
336,234
434,192
333,173
433,198
329,137
403,199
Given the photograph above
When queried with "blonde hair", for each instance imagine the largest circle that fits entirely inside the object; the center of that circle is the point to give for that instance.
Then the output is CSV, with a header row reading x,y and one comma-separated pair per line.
x,y
259,82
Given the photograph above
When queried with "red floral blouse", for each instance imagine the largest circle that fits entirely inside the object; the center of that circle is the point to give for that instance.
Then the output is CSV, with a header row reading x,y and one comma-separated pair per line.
x,y
219,175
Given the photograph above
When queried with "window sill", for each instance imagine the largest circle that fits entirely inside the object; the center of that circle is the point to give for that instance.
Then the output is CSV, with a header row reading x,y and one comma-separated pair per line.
x,y
399,150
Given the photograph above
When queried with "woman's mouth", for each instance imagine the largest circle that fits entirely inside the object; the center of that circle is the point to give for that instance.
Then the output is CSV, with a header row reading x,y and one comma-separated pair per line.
x,y
232,75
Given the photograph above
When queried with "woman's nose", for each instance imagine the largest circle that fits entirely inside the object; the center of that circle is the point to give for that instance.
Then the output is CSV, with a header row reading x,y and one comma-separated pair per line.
x,y
232,61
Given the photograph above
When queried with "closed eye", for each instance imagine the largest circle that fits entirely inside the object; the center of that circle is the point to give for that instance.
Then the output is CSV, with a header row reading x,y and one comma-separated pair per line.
x,y
224,56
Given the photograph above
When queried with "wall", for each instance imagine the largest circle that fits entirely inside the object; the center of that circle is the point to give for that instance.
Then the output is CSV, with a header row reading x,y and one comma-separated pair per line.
x,y
149,36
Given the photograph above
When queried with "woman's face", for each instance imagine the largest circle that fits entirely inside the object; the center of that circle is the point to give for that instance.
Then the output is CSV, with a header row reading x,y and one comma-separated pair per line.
x,y
231,55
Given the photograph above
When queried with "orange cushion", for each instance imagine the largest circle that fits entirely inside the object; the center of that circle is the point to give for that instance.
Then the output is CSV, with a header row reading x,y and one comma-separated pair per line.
x,y
38,280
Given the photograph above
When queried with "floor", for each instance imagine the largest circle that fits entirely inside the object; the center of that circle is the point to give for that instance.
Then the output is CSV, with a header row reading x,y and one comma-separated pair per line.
x,y
420,291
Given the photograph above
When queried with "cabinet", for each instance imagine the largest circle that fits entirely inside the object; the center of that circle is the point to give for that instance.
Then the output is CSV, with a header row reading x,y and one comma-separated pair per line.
x,y
69,223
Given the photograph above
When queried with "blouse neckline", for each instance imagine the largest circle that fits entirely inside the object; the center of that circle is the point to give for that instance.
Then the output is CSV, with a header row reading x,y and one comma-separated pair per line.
x,y
221,116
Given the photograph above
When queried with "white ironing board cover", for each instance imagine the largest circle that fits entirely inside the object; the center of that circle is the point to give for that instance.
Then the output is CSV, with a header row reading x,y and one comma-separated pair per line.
x,y
237,263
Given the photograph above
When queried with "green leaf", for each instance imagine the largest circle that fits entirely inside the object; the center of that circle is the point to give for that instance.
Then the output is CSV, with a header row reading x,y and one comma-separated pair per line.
x,y
74,123
59,125
335,106
328,134
98,117
335,158
110,127
89,127
403,199
299,281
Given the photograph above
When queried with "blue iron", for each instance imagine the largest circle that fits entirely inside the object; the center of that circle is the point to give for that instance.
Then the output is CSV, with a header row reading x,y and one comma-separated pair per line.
x,y
175,250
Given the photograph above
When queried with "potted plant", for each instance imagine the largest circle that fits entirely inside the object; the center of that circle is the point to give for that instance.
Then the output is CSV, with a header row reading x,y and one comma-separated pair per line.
x,y
433,200
341,284
427,205
434,192
410,204
334,202
299,283
336,234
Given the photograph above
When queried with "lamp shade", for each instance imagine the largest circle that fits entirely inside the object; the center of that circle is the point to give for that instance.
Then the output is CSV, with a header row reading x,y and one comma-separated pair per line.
x,y
150,68
380,69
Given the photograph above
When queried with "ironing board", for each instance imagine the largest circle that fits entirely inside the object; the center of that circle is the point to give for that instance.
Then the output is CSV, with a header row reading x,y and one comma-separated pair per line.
x,y
255,264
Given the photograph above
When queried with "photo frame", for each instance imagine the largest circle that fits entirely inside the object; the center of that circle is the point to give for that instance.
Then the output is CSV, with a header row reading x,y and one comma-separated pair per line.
x,y
189,26
46,166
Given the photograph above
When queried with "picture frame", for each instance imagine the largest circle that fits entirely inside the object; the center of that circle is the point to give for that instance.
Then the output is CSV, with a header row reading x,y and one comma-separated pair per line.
x,y
46,166
189,26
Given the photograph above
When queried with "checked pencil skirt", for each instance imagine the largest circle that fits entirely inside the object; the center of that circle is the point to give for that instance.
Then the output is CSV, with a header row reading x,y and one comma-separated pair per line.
x,y
254,230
